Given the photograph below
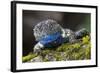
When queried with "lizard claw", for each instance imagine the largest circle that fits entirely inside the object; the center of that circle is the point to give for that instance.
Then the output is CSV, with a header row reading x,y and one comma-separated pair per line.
x,y
37,48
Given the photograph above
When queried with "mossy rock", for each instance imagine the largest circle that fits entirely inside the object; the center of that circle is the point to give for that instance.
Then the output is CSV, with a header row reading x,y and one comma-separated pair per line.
x,y
80,50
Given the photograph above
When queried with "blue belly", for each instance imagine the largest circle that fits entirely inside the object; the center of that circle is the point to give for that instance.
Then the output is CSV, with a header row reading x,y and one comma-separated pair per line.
x,y
53,40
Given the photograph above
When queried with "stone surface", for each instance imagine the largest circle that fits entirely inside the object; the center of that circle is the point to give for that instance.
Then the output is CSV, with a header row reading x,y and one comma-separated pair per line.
x,y
36,59
50,57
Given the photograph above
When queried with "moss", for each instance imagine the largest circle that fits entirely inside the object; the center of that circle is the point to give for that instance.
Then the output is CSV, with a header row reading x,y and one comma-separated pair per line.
x,y
28,57
80,50
58,56
46,51
85,40
45,60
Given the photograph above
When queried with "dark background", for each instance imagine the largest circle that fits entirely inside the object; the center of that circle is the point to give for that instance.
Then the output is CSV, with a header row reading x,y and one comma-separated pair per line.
x,y
73,21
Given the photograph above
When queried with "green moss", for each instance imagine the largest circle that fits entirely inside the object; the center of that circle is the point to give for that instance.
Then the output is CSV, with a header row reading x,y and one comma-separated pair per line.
x,y
28,57
80,50
58,56
46,51
45,60
85,40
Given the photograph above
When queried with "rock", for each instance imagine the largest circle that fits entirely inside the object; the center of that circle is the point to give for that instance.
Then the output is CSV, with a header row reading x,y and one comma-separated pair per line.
x,y
36,59
63,55
50,57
